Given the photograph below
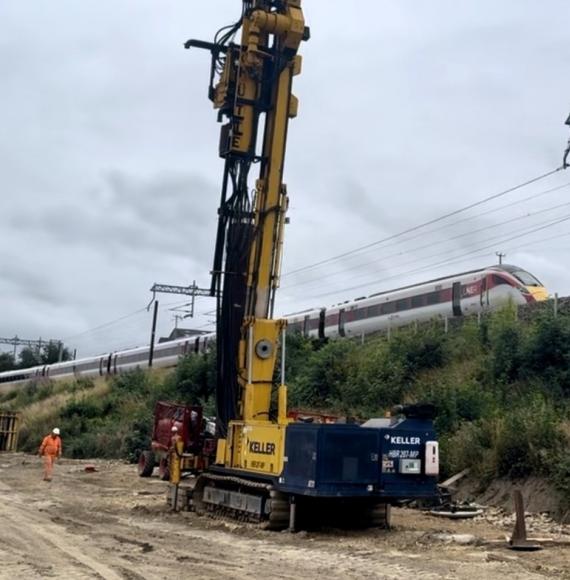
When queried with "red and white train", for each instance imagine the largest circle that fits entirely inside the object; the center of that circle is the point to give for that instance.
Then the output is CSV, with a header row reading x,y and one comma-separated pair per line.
x,y
462,294
459,295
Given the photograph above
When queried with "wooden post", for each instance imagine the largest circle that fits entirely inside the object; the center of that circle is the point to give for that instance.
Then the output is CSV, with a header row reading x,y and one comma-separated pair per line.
x,y
9,429
519,540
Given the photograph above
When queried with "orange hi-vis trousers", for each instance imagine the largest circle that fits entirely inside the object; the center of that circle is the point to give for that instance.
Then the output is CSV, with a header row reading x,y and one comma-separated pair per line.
x,y
49,460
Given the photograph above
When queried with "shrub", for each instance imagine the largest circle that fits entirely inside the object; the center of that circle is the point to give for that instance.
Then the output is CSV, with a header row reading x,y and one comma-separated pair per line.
x,y
530,436
547,354
326,373
506,356
81,408
417,351
511,444
376,383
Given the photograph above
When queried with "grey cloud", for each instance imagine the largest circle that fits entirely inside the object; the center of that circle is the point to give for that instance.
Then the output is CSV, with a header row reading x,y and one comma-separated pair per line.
x,y
20,282
164,214
109,176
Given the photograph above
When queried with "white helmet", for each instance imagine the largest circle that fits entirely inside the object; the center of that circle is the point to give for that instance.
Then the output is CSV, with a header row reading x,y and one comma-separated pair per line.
x,y
174,429
55,431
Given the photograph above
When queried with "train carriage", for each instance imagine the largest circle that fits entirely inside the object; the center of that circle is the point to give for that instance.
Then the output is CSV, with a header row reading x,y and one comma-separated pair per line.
x,y
460,295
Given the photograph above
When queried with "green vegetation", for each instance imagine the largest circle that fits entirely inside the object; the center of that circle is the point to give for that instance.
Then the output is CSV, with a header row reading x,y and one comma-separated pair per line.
x,y
501,387
107,419
29,357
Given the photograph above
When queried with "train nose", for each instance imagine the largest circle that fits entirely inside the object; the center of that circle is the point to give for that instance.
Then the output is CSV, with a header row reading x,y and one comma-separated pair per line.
x,y
538,292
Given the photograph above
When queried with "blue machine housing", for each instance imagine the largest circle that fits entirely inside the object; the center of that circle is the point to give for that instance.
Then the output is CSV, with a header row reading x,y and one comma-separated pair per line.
x,y
354,461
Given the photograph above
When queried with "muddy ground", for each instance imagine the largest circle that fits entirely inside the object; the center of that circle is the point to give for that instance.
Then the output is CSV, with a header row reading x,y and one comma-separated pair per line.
x,y
111,524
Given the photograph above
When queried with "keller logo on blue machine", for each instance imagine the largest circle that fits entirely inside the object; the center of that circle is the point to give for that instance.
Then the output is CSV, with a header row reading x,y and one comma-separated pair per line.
x,y
403,440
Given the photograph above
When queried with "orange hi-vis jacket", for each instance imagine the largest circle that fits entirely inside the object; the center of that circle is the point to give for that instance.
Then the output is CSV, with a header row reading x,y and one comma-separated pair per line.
x,y
51,446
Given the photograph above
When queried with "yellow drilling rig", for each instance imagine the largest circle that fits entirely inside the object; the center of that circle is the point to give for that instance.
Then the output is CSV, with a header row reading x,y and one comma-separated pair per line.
x,y
268,469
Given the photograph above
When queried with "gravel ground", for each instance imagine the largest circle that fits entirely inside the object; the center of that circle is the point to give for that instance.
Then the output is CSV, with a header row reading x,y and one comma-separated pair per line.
x,y
111,524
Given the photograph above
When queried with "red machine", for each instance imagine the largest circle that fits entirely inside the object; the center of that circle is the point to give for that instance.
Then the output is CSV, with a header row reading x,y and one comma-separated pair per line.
x,y
199,445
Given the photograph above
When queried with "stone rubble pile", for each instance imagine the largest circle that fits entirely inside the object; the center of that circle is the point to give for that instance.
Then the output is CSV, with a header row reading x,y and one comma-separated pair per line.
x,y
537,524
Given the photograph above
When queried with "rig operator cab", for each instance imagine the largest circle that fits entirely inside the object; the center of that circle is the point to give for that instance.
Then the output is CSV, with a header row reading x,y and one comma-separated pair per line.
x,y
266,466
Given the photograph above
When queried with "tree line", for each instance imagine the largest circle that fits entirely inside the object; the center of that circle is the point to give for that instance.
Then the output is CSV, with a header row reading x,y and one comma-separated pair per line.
x,y
29,357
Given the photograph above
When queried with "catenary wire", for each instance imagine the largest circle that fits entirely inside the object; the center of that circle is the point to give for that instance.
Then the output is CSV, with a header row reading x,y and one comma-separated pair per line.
x,y
115,321
424,224
423,247
443,262
475,216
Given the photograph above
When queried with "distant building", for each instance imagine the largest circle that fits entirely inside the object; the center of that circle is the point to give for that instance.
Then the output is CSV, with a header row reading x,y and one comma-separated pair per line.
x,y
181,333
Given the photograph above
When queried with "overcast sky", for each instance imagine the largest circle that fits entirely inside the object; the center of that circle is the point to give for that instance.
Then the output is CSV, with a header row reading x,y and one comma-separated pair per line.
x,y
110,176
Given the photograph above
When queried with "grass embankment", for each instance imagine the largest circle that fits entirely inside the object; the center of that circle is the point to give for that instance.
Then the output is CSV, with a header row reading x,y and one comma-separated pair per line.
x,y
104,418
501,387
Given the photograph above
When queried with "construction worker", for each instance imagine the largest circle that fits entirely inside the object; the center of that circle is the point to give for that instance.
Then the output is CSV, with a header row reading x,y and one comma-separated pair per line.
x,y
175,457
175,437
50,450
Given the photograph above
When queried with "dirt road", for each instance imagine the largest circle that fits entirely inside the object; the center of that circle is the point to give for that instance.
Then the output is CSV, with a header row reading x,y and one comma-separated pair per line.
x,y
113,525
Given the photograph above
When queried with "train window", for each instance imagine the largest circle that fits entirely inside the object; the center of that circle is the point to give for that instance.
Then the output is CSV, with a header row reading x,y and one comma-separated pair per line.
x,y
417,301
388,308
313,323
331,319
498,280
432,298
13,378
359,314
374,310
401,304
526,278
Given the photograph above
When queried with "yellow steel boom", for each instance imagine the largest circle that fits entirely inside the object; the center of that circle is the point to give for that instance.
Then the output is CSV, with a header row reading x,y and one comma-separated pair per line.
x,y
251,87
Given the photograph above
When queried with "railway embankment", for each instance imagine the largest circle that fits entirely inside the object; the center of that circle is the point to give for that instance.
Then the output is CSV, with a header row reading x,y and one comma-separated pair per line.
x,y
501,385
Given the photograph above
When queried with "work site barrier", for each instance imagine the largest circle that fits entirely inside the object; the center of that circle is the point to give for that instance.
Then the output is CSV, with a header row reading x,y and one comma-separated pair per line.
x,y
9,429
